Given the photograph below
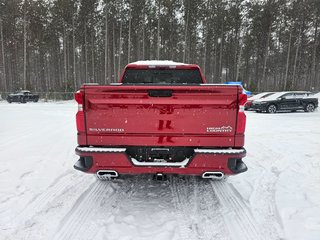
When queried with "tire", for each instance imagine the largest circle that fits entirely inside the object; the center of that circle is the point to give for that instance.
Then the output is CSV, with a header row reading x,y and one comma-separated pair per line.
x,y
272,108
22,100
309,107
9,100
35,100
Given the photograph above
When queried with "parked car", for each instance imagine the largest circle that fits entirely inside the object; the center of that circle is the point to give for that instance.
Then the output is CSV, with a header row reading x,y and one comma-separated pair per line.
x,y
22,96
161,118
286,101
250,100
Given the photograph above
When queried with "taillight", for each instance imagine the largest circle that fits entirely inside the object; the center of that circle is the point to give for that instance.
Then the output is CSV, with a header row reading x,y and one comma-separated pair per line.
x,y
78,96
241,124
243,99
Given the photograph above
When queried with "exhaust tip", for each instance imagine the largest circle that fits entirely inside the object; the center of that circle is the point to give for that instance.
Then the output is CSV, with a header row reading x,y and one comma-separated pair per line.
x,y
213,175
107,174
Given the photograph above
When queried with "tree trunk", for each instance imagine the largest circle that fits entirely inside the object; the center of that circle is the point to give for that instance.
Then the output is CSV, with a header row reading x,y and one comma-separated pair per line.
x,y
239,62
65,58
143,32
129,36
220,56
114,54
287,64
74,56
266,53
158,32
3,58
120,50
295,59
24,51
143,42
93,79
186,32
313,72
106,47
86,52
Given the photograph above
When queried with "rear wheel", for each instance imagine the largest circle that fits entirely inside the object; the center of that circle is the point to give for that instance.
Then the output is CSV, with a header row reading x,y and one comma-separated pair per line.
x,y
309,108
35,100
22,100
9,100
272,108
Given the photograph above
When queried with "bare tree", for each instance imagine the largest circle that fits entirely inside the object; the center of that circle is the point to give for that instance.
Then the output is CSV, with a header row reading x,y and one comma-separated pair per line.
x,y
120,50
129,36
158,31
3,58
106,46
287,64
74,55
86,52
24,48
186,12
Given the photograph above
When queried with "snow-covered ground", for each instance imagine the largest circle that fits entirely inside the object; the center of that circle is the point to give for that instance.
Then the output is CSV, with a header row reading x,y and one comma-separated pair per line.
x,y
43,197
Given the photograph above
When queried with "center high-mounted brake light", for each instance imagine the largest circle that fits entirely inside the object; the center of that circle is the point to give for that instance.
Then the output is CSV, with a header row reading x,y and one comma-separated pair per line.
x,y
78,96
241,123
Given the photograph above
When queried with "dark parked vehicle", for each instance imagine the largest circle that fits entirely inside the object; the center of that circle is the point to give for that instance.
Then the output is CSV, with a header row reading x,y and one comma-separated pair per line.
x,y
23,97
250,100
286,101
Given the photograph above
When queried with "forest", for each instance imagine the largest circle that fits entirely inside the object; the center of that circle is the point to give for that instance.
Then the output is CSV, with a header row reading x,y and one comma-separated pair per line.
x,y
56,45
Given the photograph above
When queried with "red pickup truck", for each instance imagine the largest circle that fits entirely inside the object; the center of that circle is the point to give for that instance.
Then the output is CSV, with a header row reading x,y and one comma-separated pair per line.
x,y
161,118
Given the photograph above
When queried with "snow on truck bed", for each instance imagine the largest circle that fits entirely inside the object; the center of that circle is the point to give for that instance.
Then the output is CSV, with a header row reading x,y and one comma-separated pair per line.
x,y
42,197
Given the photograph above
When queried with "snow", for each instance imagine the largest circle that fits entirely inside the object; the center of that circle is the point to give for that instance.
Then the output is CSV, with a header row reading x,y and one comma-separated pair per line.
x,y
316,95
271,97
158,63
43,197
258,96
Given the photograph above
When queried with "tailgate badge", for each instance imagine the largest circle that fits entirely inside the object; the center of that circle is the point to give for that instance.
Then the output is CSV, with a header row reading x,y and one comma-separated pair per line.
x,y
106,129
219,129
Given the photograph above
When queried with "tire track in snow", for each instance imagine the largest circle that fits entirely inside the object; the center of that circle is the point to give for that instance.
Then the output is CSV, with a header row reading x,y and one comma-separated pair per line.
x,y
264,192
236,213
109,206
75,220
180,199
198,210
83,220
24,222
41,200
269,215
211,224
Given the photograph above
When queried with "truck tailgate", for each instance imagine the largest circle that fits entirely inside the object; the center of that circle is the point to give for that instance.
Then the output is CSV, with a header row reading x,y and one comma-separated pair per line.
x,y
161,115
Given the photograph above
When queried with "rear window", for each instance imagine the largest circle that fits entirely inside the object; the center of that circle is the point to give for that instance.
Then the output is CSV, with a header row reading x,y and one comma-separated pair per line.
x,y
162,76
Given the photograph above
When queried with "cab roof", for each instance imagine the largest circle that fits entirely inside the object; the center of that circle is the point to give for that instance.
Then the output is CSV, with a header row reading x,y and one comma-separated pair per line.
x,y
160,63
